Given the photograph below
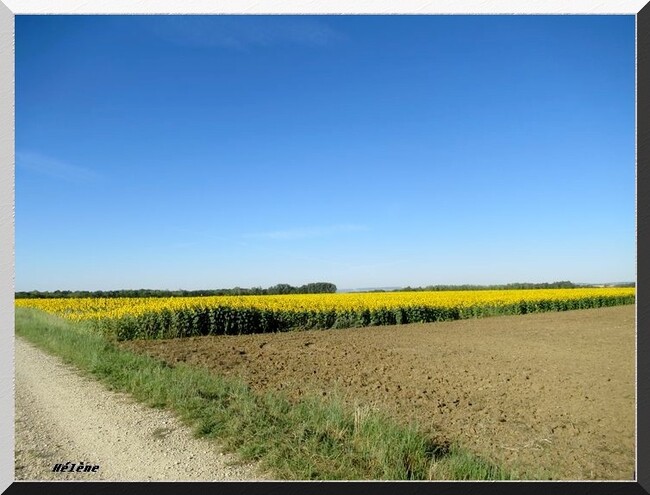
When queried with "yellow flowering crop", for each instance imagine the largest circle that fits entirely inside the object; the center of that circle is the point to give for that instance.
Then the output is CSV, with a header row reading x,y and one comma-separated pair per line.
x,y
177,316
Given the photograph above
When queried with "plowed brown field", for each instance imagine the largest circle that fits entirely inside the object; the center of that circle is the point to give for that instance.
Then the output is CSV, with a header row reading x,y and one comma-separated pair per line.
x,y
549,394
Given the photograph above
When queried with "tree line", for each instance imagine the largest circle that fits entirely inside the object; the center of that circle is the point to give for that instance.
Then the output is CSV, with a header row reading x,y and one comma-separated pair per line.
x,y
311,288
563,284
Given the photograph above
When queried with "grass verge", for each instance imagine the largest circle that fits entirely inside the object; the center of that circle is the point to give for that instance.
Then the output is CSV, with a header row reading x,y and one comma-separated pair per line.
x,y
314,439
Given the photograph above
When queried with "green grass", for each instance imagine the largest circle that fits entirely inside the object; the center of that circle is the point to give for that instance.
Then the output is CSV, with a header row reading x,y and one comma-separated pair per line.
x,y
313,439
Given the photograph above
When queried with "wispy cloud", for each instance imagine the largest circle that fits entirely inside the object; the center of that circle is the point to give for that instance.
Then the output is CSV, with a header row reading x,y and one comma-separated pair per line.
x,y
350,265
240,32
307,232
377,266
54,168
202,237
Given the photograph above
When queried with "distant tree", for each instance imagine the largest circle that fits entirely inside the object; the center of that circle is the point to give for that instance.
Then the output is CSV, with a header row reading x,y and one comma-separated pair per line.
x,y
318,288
280,289
311,288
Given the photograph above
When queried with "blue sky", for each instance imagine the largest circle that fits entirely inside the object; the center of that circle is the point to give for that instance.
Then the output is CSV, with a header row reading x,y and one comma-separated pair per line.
x,y
205,152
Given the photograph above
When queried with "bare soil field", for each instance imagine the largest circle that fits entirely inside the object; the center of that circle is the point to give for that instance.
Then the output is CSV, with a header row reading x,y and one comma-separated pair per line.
x,y
550,394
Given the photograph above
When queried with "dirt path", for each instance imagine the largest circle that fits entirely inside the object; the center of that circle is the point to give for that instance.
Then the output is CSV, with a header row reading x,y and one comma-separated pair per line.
x,y
62,417
548,393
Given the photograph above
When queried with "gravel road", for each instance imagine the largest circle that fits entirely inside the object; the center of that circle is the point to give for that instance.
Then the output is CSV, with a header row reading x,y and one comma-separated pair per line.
x,y
63,416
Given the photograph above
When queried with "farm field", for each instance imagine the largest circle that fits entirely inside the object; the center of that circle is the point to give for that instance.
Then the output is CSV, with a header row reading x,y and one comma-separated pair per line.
x,y
154,318
550,394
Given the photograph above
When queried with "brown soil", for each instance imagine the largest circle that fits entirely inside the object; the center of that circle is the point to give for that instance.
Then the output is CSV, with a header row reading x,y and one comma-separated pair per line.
x,y
549,394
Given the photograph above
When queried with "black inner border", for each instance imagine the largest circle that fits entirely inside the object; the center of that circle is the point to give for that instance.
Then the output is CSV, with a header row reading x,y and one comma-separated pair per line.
x,y
641,486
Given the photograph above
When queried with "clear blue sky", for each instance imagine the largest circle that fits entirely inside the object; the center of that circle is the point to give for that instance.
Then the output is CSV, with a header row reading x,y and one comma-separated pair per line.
x,y
208,152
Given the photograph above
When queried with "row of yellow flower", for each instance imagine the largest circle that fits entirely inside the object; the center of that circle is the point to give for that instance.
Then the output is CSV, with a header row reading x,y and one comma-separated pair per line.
x,y
115,308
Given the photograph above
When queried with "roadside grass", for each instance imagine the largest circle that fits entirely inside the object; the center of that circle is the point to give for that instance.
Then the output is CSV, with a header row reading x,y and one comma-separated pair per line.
x,y
315,439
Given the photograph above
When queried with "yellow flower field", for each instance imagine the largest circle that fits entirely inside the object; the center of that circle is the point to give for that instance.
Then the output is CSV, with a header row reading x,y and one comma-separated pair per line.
x,y
178,316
